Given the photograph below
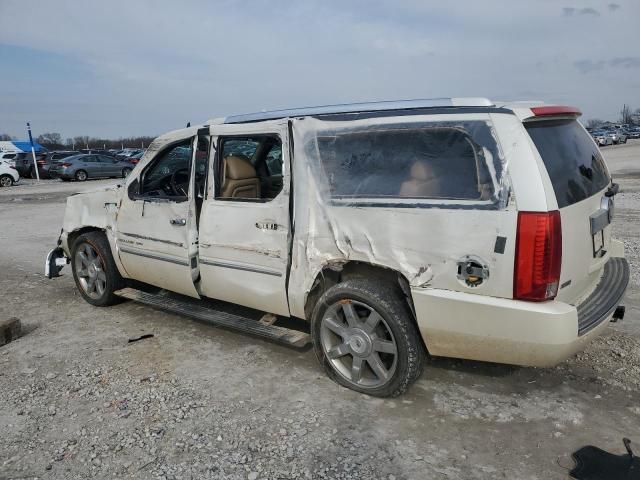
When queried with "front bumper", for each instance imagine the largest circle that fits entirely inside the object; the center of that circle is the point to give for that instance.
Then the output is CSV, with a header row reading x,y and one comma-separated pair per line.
x,y
475,327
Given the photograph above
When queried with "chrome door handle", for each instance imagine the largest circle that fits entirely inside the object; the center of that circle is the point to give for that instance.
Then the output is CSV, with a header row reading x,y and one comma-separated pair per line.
x,y
179,222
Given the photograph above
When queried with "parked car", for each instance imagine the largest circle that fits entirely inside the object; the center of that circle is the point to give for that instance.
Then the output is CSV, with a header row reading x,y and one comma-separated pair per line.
x,y
82,167
96,151
602,138
128,153
135,158
44,164
393,228
633,133
618,136
8,174
24,163
9,157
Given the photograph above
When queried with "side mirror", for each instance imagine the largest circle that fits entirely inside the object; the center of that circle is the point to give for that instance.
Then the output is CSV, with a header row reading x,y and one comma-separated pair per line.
x,y
134,189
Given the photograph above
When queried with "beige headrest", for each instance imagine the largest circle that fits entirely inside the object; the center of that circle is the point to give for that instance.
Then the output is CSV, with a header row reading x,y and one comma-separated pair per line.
x,y
421,170
238,167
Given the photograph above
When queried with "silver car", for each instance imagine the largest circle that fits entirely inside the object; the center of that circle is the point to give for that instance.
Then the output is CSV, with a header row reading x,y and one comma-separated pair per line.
x,y
618,136
602,138
82,167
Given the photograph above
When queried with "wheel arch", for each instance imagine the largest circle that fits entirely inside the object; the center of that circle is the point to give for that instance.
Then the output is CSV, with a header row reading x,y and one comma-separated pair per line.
x,y
332,274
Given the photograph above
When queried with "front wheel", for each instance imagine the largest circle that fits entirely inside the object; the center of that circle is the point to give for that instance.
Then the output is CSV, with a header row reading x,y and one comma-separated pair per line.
x,y
6,180
365,338
95,271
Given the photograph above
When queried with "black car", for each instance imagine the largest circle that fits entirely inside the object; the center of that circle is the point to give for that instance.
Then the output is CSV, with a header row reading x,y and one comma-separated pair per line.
x,y
24,163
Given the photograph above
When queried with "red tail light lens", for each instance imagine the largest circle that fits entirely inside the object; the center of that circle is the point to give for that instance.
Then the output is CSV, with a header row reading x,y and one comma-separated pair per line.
x,y
538,256
66,164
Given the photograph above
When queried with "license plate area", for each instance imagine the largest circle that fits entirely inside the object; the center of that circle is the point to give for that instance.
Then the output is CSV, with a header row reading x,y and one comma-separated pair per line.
x,y
598,221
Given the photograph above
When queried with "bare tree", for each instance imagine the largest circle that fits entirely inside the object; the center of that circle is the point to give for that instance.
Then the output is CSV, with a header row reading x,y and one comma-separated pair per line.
x,y
50,140
625,114
5,137
594,123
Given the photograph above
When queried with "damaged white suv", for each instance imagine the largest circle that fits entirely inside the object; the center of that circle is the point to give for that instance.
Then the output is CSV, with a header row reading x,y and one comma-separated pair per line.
x,y
396,230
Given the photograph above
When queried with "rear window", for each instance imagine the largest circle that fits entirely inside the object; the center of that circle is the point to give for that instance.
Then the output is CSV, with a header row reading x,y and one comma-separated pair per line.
x,y
434,160
573,161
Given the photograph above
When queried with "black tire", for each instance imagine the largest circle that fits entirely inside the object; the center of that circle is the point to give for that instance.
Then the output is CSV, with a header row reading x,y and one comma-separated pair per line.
x,y
389,302
6,181
100,245
81,175
126,172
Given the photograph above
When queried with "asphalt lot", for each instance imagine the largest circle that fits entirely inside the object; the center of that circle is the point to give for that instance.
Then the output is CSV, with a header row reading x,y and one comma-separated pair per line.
x,y
78,401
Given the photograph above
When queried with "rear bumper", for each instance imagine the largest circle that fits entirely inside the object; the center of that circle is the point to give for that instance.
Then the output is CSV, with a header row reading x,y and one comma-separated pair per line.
x,y
475,327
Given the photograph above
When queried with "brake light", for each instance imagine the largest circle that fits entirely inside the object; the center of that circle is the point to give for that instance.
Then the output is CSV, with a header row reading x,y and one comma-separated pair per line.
x,y
65,164
538,256
555,110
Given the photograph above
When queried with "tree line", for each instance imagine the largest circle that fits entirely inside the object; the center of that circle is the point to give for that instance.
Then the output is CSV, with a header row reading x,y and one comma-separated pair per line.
x,y
628,116
54,141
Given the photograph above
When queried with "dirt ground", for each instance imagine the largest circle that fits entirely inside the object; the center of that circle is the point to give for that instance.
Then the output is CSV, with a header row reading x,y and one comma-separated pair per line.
x,y
78,401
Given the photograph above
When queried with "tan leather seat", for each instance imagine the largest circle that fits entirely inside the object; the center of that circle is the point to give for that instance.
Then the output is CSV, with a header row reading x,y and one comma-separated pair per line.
x,y
422,182
240,178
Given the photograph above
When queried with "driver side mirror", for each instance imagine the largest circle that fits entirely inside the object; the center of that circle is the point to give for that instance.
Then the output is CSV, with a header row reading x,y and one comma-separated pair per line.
x,y
134,190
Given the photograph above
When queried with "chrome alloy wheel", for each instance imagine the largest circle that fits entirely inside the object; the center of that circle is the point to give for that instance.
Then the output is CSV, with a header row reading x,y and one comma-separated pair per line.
x,y
359,344
90,271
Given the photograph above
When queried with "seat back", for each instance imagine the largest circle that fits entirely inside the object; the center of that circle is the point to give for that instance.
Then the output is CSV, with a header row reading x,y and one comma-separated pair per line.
x,y
240,178
421,183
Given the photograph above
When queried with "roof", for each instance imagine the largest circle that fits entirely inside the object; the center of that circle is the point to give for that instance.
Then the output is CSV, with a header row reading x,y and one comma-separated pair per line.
x,y
356,108
25,146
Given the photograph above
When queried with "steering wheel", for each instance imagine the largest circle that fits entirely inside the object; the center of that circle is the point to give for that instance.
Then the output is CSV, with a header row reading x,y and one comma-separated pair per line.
x,y
177,188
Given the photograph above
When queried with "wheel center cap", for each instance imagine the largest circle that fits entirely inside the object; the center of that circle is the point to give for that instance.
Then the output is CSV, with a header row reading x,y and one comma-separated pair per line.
x,y
359,344
92,270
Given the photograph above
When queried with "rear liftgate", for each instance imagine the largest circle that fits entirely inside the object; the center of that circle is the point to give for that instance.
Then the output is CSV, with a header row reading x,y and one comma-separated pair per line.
x,y
194,309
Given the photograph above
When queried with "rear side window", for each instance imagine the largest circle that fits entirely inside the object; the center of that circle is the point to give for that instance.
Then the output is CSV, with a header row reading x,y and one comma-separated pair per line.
x,y
435,160
573,161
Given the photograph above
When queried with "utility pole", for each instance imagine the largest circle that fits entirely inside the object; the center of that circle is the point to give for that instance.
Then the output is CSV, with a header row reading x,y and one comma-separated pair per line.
x,y
33,153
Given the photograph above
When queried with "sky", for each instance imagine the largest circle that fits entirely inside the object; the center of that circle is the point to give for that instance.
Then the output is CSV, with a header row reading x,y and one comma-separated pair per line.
x,y
122,68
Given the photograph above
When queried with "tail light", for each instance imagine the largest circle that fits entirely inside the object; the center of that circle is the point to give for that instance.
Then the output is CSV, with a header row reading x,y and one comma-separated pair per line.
x,y
135,161
65,164
538,256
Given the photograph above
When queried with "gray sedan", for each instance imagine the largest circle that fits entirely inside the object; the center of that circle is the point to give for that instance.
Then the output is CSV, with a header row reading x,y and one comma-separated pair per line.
x,y
81,167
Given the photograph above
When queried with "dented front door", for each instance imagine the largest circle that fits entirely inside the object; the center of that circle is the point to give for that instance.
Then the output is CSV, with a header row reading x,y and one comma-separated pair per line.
x,y
244,241
156,231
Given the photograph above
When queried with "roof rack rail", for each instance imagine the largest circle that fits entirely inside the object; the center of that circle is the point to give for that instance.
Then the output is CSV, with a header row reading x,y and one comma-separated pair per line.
x,y
360,107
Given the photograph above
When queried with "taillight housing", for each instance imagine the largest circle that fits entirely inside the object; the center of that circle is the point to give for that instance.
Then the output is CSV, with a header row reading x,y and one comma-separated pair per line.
x,y
65,164
538,259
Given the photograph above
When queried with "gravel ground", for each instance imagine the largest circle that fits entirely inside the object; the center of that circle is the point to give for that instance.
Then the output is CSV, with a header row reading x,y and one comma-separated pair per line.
x,y
78,401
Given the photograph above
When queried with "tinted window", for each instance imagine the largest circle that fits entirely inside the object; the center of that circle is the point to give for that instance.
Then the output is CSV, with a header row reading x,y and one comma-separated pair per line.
x,y
573,161
427,161
274,160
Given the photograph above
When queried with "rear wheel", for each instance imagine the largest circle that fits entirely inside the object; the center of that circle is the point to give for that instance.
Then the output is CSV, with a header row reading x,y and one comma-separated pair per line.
x,y
81,175
6,180
126,172
95,271
365,338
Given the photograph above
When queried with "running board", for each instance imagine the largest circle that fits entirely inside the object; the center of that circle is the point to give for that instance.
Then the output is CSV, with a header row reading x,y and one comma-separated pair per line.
x,y
287,336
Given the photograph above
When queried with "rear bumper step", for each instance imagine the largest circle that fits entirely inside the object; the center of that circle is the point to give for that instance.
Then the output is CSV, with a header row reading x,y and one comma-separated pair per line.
x,y
606,297
191,308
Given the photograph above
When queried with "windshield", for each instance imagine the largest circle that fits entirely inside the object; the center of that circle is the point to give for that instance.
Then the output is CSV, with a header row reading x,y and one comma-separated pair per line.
x,y
573,161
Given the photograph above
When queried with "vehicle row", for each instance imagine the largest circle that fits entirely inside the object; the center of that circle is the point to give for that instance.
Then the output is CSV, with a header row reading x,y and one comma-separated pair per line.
x,y
604,137
65,163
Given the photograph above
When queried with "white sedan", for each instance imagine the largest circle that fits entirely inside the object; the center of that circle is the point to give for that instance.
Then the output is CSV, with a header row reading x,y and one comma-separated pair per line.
x,y
8,175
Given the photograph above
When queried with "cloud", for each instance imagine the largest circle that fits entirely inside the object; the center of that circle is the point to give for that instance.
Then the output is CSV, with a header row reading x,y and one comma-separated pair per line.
x,y
589,66
613,7
570,11
148,66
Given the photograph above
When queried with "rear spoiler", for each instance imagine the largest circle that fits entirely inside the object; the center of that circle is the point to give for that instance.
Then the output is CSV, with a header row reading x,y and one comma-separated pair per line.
x,y
554,111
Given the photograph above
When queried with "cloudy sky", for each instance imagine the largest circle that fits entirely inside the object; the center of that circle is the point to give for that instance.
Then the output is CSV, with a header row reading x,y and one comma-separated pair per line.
x,y
119,68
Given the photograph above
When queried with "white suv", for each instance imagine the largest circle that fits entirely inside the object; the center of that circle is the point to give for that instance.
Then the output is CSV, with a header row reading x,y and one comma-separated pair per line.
x,y
449,227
